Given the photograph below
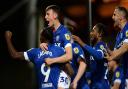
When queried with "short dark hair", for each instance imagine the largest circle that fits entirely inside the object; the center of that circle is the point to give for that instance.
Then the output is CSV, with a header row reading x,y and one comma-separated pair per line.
x,y
47,35
101,29
124,10
55,8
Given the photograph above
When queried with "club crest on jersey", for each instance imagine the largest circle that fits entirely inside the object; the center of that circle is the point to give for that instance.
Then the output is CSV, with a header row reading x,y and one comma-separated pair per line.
x,y
76,50
117,74
126,33
57,38
67,36
121,35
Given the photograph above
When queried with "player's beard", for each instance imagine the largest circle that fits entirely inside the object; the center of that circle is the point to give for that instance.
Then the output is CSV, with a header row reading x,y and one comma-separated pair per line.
x,y
116,24
93,41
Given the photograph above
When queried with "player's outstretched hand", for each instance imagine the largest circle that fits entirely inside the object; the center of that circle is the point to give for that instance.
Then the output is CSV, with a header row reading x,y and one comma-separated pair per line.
x,y
76,38
8,34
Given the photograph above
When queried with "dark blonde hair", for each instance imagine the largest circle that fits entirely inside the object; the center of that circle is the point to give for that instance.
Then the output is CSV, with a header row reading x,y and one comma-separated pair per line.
x,y
56,9
123,10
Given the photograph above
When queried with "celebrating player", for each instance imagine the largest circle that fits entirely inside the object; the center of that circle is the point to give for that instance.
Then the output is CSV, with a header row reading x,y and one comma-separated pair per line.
x,y
61,38
48,76
120,52
98,65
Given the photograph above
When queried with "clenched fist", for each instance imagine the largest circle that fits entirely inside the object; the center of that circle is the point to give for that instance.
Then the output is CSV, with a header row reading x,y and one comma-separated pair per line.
x,y
8,34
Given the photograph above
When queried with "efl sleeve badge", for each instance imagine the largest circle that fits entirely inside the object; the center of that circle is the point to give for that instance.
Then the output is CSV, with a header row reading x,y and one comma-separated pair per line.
x,y
67,36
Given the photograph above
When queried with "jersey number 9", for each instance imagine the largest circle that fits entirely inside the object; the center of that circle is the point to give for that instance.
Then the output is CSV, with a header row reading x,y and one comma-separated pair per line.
x,y
45,73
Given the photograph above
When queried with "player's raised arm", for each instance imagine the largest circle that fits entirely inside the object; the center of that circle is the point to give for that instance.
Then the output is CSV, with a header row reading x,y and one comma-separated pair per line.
x,y
93,52
13,52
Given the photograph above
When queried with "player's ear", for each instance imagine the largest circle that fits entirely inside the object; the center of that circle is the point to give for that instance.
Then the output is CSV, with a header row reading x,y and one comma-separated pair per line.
x,y
55,15
100,34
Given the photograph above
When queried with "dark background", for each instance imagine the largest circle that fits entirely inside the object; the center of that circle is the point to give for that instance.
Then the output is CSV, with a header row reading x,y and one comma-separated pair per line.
x,y
16,74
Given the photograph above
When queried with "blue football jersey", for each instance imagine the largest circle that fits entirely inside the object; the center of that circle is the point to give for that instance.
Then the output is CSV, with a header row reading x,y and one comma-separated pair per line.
x,y
47,75
118,77
98,68
78,53
62,37
120,39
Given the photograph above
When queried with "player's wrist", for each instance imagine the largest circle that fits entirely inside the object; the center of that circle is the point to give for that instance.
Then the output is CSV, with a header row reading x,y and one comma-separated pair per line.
x,y
75,81
82,43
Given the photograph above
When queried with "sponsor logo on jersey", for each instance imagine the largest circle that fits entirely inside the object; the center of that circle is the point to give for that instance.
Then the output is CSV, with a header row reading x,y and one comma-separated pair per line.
x,y
58,44
44,52
91,58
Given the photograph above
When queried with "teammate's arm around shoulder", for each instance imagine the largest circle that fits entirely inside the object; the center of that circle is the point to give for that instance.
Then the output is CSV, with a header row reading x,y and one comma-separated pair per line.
x,y
62,59
14,54
119,52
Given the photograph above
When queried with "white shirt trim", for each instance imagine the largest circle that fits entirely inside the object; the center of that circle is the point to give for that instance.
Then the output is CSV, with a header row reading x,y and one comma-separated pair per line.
x,y
67,45
125,41
82,56
127,81
101,52
26,56
117,81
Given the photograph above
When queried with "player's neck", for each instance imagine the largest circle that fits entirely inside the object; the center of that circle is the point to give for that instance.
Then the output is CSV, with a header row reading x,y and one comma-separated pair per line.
x,y
99,39
94,42
56,25
115,67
